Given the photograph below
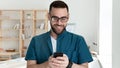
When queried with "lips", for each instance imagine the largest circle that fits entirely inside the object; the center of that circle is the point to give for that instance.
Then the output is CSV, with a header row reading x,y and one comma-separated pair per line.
x,y
59,27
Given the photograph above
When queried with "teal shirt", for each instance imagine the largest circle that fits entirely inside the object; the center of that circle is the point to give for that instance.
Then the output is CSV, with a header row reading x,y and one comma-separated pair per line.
x,y
74,46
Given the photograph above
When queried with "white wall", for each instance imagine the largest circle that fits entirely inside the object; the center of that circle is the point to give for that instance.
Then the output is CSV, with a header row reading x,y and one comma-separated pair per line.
x,y
105,33
84,13
116,34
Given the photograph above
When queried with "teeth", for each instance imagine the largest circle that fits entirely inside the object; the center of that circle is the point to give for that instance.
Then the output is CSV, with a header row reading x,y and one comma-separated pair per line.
x,y
58,27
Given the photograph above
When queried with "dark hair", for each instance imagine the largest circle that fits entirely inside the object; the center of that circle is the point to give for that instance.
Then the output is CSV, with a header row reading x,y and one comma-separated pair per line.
x,y
58,4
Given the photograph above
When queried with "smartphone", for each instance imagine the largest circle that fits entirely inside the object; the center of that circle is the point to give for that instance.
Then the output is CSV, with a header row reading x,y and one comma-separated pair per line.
x,y
57,54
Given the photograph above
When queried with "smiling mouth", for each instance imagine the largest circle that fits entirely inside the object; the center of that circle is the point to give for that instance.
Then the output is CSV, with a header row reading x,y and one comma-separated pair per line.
x,y
59,26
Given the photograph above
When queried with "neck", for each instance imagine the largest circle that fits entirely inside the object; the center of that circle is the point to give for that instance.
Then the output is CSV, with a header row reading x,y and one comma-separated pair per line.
x,y
54,35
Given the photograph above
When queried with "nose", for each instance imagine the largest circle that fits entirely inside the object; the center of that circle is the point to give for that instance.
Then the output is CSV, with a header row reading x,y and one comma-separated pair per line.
x,y
59,22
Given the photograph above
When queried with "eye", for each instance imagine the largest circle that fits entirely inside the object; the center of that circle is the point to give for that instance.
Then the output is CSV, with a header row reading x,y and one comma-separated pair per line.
x,y
54,18
64,18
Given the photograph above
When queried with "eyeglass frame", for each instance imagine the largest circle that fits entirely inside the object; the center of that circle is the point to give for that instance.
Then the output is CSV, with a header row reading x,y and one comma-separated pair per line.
x,y
56,19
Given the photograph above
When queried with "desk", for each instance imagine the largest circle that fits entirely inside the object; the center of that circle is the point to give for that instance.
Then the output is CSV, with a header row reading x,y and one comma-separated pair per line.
x,y
7,55
14,63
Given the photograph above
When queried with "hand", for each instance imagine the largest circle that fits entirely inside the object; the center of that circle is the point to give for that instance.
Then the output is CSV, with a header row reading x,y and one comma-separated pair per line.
x,y
58,62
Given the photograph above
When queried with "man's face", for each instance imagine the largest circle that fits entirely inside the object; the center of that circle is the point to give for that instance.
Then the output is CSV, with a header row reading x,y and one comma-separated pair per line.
x,y
58,19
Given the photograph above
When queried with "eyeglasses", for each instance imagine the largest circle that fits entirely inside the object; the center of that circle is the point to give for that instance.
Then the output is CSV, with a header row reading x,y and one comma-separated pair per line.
x,y
56,19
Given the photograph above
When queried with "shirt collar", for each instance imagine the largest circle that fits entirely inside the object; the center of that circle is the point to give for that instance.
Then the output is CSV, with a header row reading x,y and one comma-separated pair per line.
x,y
62,34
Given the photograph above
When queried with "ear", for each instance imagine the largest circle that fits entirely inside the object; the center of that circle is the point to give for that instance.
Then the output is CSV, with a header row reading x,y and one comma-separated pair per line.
x,y
48,16
68,16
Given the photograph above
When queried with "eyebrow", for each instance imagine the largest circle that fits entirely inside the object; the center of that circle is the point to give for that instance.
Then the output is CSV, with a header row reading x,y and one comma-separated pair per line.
x,y
60,17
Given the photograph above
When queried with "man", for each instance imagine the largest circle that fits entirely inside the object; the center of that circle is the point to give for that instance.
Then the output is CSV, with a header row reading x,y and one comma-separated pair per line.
x,y
75,51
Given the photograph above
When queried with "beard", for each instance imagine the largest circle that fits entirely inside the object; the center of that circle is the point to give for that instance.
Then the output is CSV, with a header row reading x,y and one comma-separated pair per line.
x,y
57,32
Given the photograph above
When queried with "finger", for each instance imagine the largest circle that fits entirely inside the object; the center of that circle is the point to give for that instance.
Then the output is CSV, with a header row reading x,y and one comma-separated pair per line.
x,y
58,61
60,58
64,58
64,55
57,64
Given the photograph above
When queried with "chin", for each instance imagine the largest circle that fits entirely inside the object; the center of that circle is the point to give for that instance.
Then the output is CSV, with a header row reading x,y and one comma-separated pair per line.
x,y
59,32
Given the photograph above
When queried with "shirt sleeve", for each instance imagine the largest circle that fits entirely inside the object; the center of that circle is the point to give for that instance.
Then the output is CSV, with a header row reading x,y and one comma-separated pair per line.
x,y
30,55
84,53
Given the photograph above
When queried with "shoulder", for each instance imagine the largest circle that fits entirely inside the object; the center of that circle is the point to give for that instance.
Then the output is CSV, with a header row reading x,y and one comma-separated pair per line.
x,y
76,36
42,36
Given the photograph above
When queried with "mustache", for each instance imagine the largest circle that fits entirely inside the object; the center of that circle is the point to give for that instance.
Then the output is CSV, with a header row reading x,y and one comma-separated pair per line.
x,y
58,25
